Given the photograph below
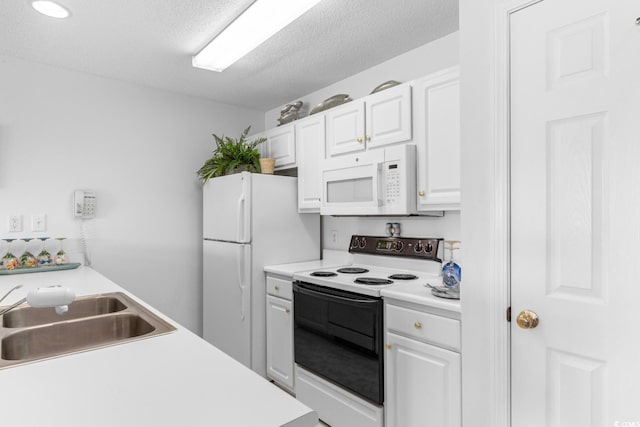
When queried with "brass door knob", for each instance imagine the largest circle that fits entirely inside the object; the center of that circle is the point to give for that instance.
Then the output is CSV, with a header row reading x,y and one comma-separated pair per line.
x,y
388,346
286,310
527,319
420,193
417,325
277,288
368,138
359,140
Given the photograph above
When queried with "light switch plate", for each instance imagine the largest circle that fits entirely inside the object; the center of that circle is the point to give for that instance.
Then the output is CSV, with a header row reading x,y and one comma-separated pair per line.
x,y
14,223
38,222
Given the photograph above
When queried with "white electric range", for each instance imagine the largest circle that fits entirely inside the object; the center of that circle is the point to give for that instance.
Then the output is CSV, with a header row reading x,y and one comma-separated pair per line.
x,y
380,263
338,325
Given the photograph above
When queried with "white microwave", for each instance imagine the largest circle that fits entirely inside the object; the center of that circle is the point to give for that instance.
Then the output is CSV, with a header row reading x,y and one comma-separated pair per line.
x,y
381,181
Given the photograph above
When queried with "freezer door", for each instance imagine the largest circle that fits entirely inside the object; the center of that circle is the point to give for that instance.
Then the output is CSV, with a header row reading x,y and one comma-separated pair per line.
x,y
226,204
226,309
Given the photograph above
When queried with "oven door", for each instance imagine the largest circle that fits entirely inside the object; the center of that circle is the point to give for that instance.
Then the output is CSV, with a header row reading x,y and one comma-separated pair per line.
x,y
338,336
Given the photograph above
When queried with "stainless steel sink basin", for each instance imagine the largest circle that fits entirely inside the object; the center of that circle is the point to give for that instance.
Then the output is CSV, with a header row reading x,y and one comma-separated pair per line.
x,y
29,334
82,307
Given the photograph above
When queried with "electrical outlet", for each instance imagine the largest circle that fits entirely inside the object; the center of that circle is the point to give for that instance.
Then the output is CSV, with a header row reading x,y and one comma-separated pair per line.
x,y
14,223
39,222
334,236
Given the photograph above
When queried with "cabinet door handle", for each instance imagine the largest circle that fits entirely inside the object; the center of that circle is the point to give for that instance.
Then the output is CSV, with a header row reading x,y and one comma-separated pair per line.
x,y
420,193
286,310
388,346
359,140
367,138
276,287
417,325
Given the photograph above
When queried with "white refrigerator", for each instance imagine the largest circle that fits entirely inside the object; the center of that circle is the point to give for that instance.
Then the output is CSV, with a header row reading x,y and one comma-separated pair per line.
x,y
250,220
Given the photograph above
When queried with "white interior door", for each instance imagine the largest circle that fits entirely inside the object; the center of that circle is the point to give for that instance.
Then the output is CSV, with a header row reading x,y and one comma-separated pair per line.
x,y
575,213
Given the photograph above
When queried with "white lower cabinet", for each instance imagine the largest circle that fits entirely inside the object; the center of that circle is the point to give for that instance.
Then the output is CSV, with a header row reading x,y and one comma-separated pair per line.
x,y
422,380
280,333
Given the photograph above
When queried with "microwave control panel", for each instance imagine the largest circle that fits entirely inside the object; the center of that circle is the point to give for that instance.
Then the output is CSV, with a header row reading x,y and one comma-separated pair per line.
x,y
415,247
393,183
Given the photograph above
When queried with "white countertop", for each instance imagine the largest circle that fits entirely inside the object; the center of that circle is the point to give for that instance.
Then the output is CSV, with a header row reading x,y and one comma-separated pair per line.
x,y
176,379
418,293
330,258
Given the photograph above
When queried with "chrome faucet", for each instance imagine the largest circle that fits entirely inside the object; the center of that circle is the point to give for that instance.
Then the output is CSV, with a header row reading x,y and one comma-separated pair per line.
x,y
52,296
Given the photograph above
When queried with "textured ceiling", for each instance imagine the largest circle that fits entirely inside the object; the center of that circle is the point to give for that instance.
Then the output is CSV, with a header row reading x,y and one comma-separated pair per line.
x,y
151,42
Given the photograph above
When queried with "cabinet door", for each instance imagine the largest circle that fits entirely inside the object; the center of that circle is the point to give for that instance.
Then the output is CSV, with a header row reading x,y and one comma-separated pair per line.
x,y
422,384
388,116
345,128
310,139
280,341
281,145
437,122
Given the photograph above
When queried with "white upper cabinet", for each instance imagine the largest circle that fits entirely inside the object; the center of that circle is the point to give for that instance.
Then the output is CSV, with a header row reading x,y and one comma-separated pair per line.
x,y
345,128
310,139
281,145
380,119
388,116
436,115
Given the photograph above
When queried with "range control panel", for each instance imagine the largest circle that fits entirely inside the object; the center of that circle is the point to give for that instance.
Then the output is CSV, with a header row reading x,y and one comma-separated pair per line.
x,y
416,247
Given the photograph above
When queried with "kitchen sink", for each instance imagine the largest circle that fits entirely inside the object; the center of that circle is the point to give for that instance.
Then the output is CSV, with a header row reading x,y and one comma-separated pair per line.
x,y
82,307
29,334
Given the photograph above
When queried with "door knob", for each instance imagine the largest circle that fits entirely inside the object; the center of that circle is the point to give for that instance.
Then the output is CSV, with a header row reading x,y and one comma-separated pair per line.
x,y
527,319
359,140
420,193
368,138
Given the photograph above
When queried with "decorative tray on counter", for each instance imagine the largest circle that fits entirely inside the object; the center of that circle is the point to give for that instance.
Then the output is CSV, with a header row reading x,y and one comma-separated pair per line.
x,y
40,269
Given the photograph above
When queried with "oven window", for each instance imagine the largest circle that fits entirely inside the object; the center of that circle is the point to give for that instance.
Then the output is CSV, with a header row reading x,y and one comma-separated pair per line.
x,y
350,190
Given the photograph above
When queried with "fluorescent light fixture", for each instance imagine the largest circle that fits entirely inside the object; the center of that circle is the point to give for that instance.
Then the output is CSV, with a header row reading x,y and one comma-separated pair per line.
x,y
260,21
49,8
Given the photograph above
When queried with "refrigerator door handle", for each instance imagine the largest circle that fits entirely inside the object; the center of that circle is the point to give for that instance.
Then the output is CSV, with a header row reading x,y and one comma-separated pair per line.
x,y
241,215
241,279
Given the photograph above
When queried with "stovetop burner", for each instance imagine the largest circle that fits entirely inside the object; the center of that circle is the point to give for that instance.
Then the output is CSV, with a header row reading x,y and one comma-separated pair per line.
x,y
403,276
352,270
372,281
323,274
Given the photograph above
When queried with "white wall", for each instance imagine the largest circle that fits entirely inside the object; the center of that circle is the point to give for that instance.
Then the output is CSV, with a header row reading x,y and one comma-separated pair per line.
x,y
477,57
138,148
447,227
423,60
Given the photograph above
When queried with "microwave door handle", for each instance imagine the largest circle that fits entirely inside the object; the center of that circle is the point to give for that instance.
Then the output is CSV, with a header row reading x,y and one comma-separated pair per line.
x,y
376,174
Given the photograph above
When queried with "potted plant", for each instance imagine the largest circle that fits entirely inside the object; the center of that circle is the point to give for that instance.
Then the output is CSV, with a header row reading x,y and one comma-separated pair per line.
x,y
232,156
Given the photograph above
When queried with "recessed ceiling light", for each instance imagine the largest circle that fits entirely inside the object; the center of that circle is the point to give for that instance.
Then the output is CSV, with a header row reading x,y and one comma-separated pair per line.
x,y
50,8
260,21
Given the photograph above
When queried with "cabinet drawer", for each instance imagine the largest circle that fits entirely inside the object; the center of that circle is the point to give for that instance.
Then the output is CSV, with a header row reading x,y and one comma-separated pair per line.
x,y
426,327
279,287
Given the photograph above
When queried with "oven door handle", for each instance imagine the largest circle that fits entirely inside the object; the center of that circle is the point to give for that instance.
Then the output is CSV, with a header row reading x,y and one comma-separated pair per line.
x,y
329,297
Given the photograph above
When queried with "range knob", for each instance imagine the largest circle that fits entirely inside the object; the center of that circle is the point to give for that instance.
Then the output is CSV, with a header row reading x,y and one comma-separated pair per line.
x,y
418,247
399,246
354,243
428,248
363,242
